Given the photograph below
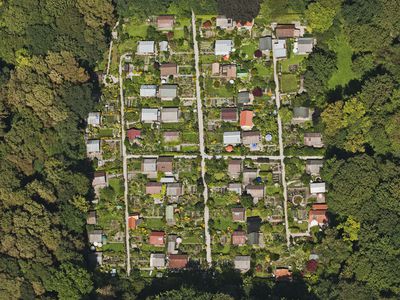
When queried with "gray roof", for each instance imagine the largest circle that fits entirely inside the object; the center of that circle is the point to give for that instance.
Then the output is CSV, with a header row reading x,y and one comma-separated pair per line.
x,y
174,189
95,236
223,47
256,191
313,166
251,137
148,90
253,238
244,97
157,260
265,43
168,91
305,45
149,165
145,47
93,146
169,214
242,262
301,112
235,187
170,114
232,138
149,114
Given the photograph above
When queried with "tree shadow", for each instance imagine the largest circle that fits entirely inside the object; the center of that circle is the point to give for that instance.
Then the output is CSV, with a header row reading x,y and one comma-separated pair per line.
x,y
228,281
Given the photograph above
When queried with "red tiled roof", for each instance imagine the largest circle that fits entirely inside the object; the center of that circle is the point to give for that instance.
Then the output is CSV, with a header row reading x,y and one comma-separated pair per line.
x,y
132,220
177,261
207,24
246,118
157,238
239,237
229,148
320,206
318,215
133,134
282,274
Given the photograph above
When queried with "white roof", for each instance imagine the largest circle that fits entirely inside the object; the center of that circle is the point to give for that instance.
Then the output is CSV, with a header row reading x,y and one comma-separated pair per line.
x,y
317,187
148,90
157,260
242,263
223,22
93,146
149,165
279,48
232,138
93,118
235,187
305,45
145,47
223,47
149,114
163,45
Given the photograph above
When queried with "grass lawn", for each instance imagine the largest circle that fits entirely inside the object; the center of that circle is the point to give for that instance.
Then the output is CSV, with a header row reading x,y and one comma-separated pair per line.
x,y
263,70
117,186
135,29
289,83
154,223
249,49
220,91
293,60
115,247
105,132
190,137
190,148
207,59
344,73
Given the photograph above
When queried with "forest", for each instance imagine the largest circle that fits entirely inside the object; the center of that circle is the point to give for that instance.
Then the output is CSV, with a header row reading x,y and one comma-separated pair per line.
x,y
48,84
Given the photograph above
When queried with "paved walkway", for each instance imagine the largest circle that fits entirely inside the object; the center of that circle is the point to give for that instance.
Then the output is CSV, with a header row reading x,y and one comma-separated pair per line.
x,y
281,152
201,139
124,165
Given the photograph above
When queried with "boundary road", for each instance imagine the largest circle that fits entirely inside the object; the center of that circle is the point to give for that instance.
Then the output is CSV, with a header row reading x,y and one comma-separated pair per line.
x,y
124,165
281,152
201,141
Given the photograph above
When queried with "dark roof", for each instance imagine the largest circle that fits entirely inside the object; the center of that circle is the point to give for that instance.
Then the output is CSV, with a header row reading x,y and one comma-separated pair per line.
x,y
229,114
265,43
253,224
301,112
244,97
253,238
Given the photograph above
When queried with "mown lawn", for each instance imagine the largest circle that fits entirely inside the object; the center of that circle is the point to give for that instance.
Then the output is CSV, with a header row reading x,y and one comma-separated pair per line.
x,y
135,29
289,83
117,186
293,60
344,73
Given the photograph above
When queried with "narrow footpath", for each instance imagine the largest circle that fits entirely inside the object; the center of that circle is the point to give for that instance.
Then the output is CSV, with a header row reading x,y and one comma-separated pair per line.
x,y
201,140
124,165
281,152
